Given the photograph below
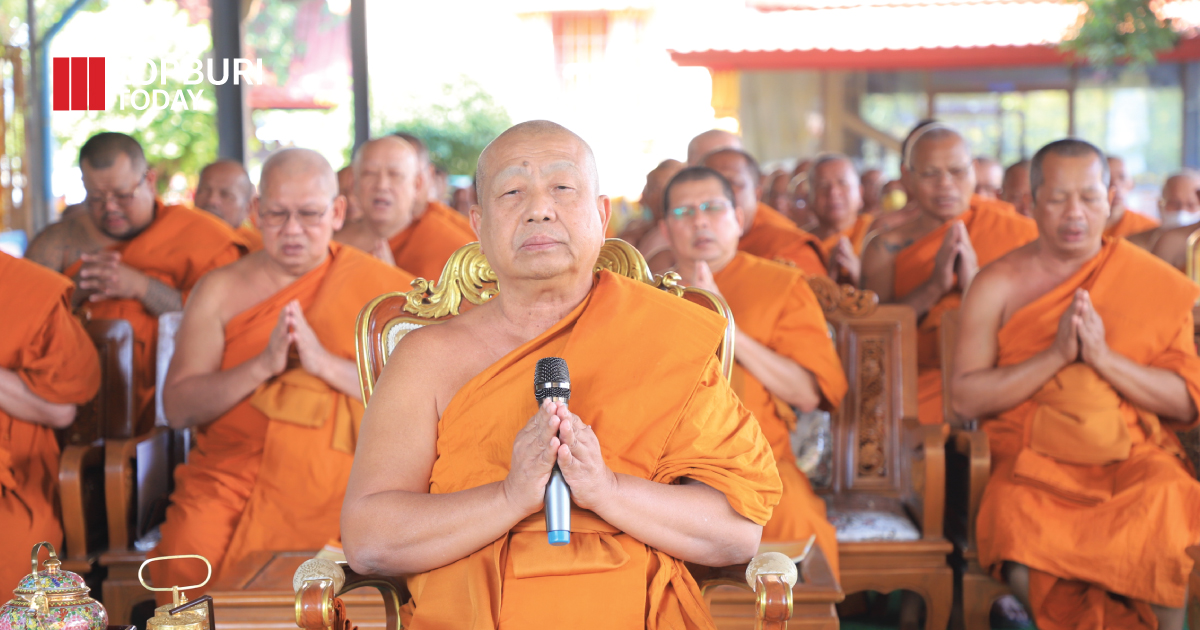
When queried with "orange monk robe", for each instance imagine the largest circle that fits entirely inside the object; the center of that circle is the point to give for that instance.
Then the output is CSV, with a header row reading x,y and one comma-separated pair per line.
x,y
178,247
1131,223
783,244
661,411
994,232
249,239
1087,530
771,216
773,304
423,247
43,343
857,234
270,473
454,216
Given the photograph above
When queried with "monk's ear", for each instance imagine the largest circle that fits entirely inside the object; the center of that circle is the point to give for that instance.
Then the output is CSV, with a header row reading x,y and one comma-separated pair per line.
x,y
740,216
254,212
151,180
476,216
339,212
604,206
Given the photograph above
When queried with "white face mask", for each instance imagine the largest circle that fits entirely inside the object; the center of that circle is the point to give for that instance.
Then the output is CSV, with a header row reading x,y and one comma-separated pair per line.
x,y
1183,217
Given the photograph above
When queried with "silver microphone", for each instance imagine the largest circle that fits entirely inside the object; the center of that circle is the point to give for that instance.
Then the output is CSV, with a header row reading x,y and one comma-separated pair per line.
x,y
552,381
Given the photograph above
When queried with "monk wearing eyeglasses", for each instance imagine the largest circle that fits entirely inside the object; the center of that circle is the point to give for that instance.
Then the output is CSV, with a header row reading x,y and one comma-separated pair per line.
x,y
264,370
785,358
131,256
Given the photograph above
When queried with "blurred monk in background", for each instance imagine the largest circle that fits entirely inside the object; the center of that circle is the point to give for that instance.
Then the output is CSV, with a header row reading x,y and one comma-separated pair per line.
x,y
345,179
930,262
1178,205
225,191
710,141
784,354
651,242
989,177
131,256
264,370
387,184
664,464
427,198
1121,221
1015,190
47,366
760,236
1077,352
910,210
836,201
1172,244
871,183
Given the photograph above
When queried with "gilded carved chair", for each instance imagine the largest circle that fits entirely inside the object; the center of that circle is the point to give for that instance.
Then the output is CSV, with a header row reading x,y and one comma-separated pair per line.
x,y
790,583
885,488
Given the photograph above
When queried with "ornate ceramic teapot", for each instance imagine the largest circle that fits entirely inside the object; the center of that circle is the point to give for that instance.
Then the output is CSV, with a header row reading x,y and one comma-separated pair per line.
x,y
180,614
52,599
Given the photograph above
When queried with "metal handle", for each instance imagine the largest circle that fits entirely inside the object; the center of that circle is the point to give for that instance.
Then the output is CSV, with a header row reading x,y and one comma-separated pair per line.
x,y
175,589
33,557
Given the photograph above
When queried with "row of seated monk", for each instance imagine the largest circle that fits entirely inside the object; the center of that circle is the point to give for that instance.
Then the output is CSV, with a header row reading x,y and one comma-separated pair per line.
x,y
1076,349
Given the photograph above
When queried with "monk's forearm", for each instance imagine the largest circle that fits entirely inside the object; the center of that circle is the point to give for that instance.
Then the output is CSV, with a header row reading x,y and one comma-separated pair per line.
x,y
1160,391
689,521
780,375
202,398
985,393
342,375
18,401
397,532
159,298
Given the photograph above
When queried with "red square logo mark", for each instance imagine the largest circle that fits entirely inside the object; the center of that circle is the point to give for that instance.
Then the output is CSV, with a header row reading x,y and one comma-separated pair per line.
x,y
78,83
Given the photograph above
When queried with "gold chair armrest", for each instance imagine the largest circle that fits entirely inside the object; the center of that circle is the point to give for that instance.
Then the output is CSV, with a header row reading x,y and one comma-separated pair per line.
x,y
119,484
75,459
319,583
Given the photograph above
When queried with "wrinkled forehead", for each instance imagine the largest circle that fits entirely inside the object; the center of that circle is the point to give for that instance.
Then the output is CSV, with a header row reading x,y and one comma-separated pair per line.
x,y
297,186
540,155
1179,188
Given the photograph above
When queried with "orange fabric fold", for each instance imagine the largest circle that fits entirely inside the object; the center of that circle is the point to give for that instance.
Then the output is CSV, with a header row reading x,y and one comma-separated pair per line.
x,y
857,234
661,410
271,473
248,237
451,215
773,304
994,230
782,243
424,247
177,248
49,350
771,216
1094,531
1131,223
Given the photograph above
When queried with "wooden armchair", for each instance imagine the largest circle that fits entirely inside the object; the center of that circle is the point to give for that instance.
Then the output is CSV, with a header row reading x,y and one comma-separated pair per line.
x,y
137,471
80,473
777,596
887,492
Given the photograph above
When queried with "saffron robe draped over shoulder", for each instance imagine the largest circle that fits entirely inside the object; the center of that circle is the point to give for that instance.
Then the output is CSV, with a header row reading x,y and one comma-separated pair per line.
x,y
646,379
857,235
423,247
771,216
1131,223
773,304
782,243
270,473
43,343
994,231
454,216
177,248
1087,530
248,237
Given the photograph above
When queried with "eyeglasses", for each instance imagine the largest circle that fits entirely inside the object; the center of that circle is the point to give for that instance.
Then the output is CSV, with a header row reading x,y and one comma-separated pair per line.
x,y
712,209
122,199
307,218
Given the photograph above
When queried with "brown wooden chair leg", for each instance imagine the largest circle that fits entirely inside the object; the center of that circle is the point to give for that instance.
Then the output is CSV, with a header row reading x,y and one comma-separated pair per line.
x,y
980,592
122,592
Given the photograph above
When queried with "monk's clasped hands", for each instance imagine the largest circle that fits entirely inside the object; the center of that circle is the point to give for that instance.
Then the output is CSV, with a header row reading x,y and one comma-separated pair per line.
x,y
293,329
1080,334
105,277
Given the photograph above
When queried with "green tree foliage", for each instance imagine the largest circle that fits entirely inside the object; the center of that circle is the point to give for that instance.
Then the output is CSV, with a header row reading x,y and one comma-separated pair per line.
x,y
1113,31
458,126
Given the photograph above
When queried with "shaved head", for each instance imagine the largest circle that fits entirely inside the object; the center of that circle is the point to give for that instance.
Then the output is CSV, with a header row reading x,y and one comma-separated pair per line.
x,y
710,141
225,190
938,173
656,183
388,181
417,144
289,164
989,177
532,130
298,209
931,133
1180,203
101,150
1015,189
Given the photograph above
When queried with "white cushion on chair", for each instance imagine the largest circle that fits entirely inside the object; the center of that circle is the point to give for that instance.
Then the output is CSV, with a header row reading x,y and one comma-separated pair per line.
x,y
397,331
862,525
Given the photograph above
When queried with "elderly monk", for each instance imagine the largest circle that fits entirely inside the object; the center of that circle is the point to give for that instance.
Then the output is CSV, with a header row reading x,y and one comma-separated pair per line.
x,y
47,366
1171,244
131,256
1077,352
1178,206
910,210
989,177
929,262
427,199
837,202
386,183
710,141
665,466
785,359
1015,189
1122,222
264,369
871,183
651,242
225,191
345,178
761,237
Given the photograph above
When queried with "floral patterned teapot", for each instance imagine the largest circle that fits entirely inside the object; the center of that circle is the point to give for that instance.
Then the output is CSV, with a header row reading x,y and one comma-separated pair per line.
x,y
52,599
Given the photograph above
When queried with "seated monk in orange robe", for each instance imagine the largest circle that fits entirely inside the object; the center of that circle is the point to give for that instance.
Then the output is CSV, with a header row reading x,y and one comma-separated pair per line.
x,y
132,257
836,200
1180,201
426,199
47,366
264,369
387,183
787,244
652,243
225,191
1121,221
930,261
664,465
785,359
1076,350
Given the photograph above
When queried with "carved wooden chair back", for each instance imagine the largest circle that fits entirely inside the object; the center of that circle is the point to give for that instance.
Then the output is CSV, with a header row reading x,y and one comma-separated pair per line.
x,y
110,413
468,277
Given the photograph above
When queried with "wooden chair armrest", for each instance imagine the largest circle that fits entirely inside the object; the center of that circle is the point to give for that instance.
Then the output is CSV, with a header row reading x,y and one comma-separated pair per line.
x,y
318,584
975,447
118,484
924,460
75,458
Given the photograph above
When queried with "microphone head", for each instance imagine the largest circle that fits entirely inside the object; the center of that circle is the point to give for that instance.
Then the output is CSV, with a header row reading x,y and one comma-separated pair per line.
x,y
551,380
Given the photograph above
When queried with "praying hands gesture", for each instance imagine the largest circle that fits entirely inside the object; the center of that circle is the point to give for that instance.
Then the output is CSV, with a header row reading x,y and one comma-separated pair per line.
x,y
843,258
554,434
1081,333
956,257
104,277
293,329
699,276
